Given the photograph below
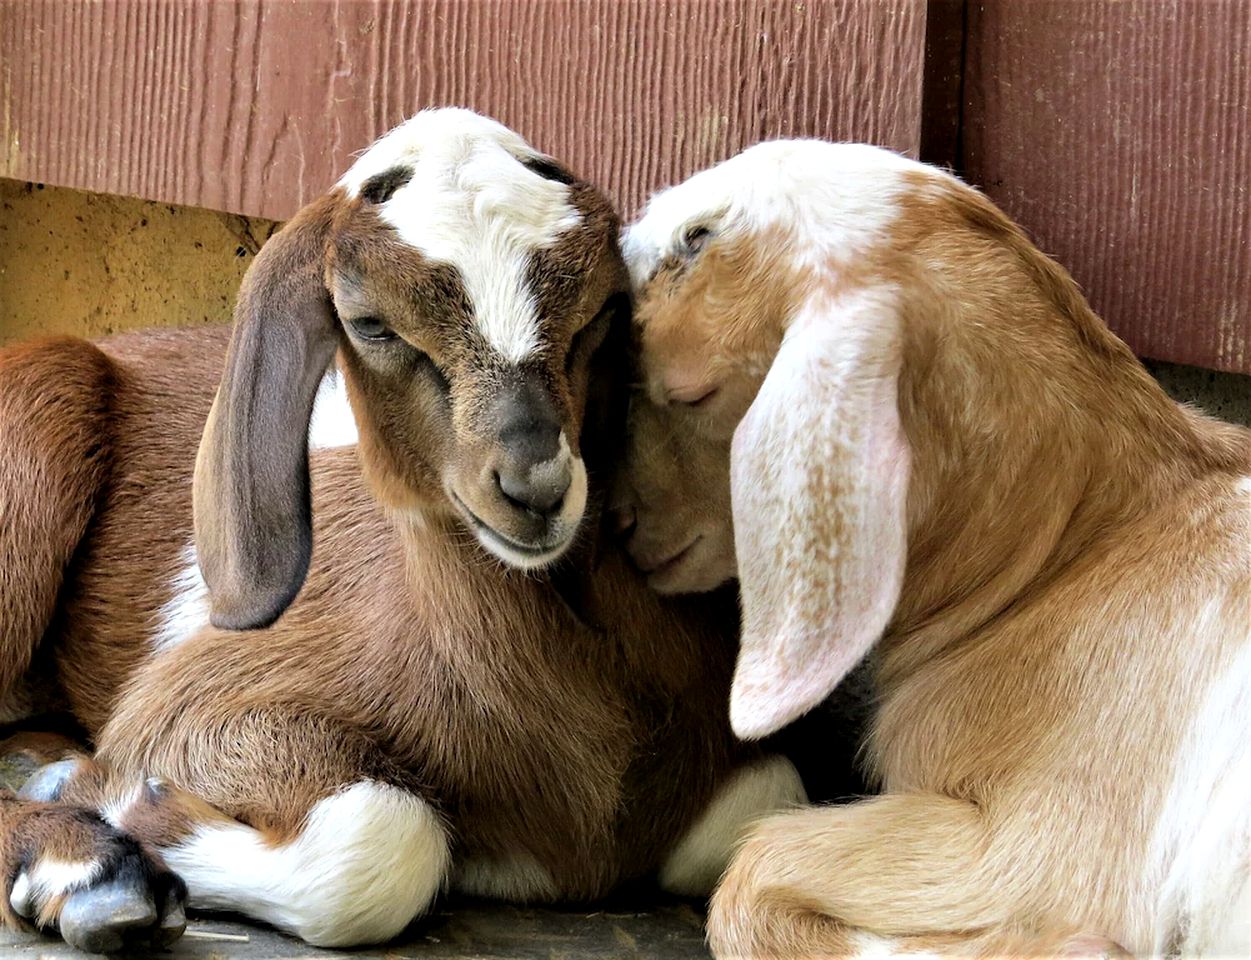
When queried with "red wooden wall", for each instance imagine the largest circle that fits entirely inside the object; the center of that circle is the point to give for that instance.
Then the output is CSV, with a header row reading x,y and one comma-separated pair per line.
x,y
1118,132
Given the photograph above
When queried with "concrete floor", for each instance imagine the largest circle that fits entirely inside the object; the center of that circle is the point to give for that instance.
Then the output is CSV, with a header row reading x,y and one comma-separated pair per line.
x,y
463,931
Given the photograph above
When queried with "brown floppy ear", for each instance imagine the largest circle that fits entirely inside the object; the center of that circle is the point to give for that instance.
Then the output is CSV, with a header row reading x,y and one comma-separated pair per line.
x,y
253,523
819,477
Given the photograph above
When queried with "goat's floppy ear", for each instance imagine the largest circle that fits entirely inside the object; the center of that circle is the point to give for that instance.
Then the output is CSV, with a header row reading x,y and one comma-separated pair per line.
x,y
253,524
819,477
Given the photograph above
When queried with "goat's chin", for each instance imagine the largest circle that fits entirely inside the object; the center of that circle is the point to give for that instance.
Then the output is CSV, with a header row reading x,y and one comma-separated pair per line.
x,y
520,554
697,568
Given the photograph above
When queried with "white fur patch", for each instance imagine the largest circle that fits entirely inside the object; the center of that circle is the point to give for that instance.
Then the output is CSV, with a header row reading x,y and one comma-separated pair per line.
x,y
332,423
49,878
187,610
369,860
699,859
1203,844
834,199
519,878
473,205
869,946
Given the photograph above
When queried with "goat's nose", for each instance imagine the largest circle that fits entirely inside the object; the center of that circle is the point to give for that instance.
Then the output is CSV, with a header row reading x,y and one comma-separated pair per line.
x,y
536,466
540,487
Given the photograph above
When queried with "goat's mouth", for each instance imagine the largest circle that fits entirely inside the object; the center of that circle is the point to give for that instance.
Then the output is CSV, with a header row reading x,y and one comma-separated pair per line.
x,y
515,553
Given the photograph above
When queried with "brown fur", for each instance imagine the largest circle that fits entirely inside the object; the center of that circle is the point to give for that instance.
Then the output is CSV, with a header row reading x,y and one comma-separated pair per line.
x,y
1065,523
410,656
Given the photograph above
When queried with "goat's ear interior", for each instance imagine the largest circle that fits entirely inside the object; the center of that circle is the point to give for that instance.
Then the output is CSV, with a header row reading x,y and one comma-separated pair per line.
x,y
818,483
253,521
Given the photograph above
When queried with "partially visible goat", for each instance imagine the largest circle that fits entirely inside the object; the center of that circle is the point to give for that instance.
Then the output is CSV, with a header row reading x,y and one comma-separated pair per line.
x,y
421,716
932,447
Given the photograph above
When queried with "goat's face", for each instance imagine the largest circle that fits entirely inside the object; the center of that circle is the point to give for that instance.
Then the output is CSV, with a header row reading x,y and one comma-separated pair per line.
x,y
466,282
672,499
719,265
474,279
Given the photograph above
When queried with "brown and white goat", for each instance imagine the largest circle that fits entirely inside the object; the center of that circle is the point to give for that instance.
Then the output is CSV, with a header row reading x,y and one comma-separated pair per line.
x,y
415,715
929,446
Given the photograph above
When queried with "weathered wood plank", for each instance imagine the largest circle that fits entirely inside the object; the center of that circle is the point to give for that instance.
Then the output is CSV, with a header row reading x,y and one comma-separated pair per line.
x,y
254,107
1119,135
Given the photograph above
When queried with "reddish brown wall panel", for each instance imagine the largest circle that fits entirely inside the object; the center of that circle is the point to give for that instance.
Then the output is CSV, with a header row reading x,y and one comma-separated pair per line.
x,y
255,107
1119,133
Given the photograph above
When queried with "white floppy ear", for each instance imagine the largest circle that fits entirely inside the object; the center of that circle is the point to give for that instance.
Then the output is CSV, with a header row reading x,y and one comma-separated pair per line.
x,y
819,478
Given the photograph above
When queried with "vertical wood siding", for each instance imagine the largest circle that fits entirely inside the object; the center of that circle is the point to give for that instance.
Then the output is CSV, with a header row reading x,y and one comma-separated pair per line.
x,y
255,107
1119,134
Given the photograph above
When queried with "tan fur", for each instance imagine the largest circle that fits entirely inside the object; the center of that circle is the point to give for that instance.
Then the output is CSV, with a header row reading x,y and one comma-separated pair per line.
x,y
571,718
1078,576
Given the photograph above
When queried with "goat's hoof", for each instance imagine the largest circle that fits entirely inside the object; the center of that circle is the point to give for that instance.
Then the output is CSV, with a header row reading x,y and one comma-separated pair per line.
x,y
47,782
123,911
73,872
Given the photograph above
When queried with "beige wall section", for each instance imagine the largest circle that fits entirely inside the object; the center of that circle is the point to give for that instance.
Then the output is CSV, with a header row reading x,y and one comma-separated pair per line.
x,y
92,264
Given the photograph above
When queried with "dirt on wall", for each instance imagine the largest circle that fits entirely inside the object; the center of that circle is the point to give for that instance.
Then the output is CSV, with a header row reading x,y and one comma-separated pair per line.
x,y
93,264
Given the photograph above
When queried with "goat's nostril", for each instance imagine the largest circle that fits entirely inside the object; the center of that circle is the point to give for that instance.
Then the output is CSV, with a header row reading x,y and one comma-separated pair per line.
x,y
542,495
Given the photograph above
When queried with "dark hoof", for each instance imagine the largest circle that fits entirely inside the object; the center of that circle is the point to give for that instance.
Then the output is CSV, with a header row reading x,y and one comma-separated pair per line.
x,y
124,912
99,918
46,783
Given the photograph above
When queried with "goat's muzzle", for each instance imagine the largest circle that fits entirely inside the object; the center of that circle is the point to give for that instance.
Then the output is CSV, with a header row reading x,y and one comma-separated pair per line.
x,y
530,489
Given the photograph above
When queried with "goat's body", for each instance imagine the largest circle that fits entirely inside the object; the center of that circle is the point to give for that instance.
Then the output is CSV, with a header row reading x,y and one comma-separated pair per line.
x,y
541,759
1139,819
1021,815
953,463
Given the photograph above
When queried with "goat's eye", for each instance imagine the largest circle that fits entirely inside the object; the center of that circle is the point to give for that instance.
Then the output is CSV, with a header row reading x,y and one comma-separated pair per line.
x,y
371,328
695,239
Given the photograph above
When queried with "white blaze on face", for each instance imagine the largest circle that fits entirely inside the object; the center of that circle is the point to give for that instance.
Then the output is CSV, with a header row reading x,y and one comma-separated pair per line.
x,y
473,205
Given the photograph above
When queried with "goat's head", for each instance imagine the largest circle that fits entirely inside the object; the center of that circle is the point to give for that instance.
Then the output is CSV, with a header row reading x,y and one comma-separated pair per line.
x,y
467,283
881,357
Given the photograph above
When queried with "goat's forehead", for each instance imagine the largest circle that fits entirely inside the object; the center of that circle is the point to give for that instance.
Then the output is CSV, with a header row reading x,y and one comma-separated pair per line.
x,y
433,137
468,200
829,193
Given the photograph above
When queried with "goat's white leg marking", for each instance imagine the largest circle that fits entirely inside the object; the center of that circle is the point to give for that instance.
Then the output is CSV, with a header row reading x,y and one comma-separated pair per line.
x,y
518,878
369,859
332,423
49,878
701,856
869,946
187,610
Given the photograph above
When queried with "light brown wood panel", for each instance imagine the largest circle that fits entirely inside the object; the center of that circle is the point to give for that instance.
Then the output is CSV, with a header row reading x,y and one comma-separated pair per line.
x,y
1118,132
255,107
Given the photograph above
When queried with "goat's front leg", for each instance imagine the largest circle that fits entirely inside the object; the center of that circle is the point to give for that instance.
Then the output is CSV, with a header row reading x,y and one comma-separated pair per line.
x,y
889,876
66,868
335,855
278,814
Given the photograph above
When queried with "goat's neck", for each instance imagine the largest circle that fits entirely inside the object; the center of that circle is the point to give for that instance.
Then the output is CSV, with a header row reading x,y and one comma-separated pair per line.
x,y
1020,464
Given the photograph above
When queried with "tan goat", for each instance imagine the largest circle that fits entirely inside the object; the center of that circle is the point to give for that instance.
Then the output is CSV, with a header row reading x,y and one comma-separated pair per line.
x,y
468,689
931,447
